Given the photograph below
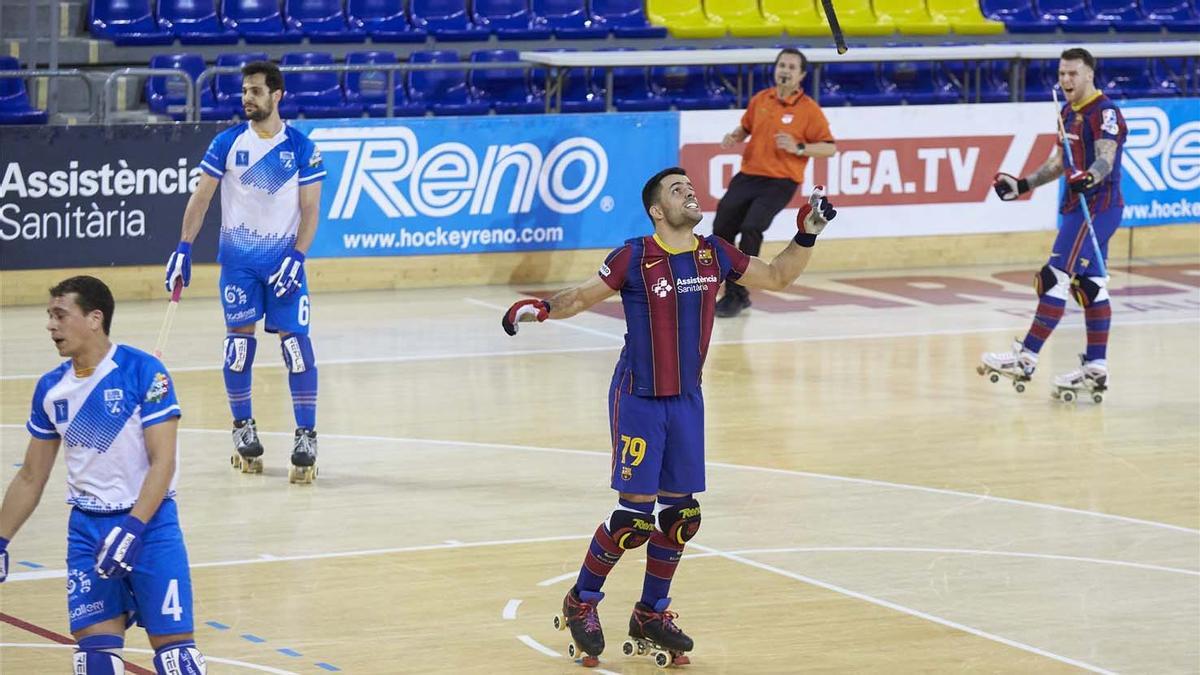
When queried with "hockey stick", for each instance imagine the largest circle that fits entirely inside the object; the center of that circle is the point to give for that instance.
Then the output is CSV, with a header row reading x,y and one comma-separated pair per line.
x,y
168,319
1068,164
834,26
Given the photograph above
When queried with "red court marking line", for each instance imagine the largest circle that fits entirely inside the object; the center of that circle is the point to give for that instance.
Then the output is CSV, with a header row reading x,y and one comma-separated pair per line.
x,y
61,639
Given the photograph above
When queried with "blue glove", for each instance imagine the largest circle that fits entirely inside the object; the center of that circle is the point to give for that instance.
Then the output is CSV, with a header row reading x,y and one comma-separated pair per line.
x,y
119,551
3,559
179,266
290,275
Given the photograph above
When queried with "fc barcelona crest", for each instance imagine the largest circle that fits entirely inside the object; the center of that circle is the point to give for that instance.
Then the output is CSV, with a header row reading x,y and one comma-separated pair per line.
x,y
705,256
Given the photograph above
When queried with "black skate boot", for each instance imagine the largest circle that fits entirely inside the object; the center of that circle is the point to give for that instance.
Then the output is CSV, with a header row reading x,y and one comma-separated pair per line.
x,y
653,631
248,450
579,614
304,457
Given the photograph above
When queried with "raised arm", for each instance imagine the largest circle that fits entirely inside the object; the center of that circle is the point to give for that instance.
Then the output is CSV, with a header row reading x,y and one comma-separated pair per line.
x,y
792,260
563,304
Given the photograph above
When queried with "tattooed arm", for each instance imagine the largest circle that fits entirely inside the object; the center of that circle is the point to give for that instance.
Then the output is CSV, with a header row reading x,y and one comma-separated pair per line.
x,y
1106,156
1050,170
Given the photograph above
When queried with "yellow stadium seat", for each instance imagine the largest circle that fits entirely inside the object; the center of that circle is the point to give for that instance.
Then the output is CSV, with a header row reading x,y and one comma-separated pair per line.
x,y
964,17
799,17
911,17
743,19
857,18
684,18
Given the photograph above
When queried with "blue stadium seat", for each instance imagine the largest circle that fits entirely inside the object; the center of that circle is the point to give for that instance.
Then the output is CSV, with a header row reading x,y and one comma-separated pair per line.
x,y
194,22
445,92
1173,73
258,21
1178,16
508,19
321,21
446,20
688,87
14,98
1135,78
317,94
369,89
625,18
632,89
1125,16
383,20
568,19
163,93
1040,78
857,84
507,90
580,93
126,22
918,82
1018,16
1073,16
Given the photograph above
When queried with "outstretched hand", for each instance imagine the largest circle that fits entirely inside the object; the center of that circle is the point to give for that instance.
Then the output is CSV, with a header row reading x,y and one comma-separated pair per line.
x,y
524,310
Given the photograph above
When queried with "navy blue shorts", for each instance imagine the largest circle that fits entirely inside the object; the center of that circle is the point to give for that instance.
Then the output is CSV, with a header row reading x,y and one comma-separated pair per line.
x,y
157,594
657,441
247,297
1073,250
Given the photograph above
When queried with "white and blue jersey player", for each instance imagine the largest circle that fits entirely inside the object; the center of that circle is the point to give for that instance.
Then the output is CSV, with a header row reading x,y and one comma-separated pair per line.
x,y
270,177
114,408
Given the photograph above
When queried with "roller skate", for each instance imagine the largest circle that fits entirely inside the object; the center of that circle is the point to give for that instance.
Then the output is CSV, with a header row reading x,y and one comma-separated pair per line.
x,y
1089,379
1017,365
587,638
248,450
652,631
304,457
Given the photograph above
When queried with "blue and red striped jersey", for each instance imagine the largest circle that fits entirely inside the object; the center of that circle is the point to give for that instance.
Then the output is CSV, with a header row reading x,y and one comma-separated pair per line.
x,y
1098,118
670,300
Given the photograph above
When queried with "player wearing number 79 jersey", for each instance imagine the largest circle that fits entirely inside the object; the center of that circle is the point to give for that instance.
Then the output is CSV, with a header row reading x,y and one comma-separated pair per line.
x,y
270,177
113,409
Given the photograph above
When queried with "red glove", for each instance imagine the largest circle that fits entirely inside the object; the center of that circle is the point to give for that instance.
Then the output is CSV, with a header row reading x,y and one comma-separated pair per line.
x,y
813,217
1081,181
524,310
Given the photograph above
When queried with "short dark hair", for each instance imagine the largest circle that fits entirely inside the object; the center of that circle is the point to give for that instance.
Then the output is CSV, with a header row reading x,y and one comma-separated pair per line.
x,y
794,52
1079,54
653,186
91,294
267,69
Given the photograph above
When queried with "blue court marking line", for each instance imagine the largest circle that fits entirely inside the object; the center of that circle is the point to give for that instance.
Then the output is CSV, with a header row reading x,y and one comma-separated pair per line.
x,y
326,666
26,563
253,638
288,652
216,624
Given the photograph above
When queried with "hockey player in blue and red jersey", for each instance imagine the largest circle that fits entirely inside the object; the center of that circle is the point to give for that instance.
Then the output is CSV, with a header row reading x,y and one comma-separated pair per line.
x,y
668,283
1096,131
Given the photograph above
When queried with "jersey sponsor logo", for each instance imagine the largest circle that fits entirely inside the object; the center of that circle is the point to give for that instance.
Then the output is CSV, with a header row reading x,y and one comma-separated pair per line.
x,y
60,411
112,400
158,389
693,284
604,270
241,158
661,288
87,609
452,177
287,159
1108,121
78,580
652,264
315,159
234,295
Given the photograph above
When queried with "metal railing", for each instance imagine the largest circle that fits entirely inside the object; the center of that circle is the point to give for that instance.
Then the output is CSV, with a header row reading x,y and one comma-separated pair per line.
x,y
55,75
116,75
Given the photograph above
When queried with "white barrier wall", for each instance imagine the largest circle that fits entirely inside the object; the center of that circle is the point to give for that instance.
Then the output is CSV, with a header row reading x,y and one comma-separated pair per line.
x,y
901,171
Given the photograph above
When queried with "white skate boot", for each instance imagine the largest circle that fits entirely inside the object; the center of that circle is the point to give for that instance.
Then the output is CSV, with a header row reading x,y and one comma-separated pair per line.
x,y
1017,365
1090,378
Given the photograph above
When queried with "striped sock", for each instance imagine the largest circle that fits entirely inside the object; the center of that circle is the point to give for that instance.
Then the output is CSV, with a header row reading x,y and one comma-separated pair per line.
x,y
1097,317
239,359
603,553
662,557
1049,313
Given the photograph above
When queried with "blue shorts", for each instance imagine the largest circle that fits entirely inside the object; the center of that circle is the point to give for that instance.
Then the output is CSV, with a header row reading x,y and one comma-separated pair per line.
x,y
247,297
658,441
1073,250
157,594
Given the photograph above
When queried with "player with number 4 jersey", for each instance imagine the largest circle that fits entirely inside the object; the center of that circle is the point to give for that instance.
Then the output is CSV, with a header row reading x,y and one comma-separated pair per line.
x,y
113,408
270,177
668,283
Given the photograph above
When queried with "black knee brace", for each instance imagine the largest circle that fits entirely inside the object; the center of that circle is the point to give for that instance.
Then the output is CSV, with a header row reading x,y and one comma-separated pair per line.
x,y
680,522
630,529
1051,281
1088,290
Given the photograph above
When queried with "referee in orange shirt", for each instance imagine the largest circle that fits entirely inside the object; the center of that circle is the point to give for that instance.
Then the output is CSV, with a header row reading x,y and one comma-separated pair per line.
x,y
785,128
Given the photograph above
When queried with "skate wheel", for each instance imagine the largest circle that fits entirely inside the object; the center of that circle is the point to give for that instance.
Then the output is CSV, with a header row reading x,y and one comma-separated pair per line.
x,y
1068,396
994,378
254,465
571,651
662,659
559,622
1097,398
1019,387
627,648
302,474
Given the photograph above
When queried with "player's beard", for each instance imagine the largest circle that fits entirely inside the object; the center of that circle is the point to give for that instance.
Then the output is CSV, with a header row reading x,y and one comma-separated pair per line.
x,y
258,113
683,219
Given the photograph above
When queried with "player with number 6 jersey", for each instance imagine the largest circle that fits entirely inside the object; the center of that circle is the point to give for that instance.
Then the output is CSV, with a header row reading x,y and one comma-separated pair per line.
x,y
114,409
668,283
270,177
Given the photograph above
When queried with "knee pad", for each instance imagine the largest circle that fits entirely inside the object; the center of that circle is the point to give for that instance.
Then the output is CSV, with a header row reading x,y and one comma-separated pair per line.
x,y
680,522
239,352
100,655
1053,282
1089,290
298,354
179,658
630,529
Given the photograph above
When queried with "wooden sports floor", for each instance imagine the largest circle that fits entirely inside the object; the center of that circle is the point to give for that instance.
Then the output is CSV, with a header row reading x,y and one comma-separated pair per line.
x,y
873,506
